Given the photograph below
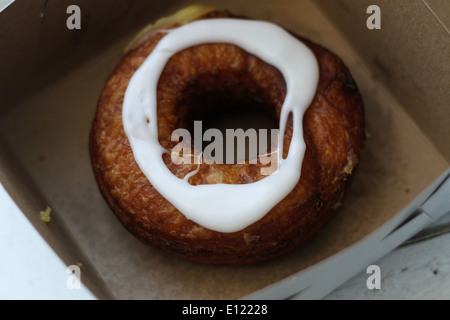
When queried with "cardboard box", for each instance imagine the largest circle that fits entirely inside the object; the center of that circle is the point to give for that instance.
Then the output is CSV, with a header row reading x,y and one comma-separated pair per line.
x,y
51,78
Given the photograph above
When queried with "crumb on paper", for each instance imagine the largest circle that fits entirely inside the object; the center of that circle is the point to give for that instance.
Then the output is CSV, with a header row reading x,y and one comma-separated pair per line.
x,y
45,215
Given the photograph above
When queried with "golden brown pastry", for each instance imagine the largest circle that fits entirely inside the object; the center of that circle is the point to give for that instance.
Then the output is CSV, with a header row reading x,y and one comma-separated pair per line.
x,y
333,129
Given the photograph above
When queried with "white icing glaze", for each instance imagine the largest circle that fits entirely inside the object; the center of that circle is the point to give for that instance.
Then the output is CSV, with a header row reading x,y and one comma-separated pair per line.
x,y
223,207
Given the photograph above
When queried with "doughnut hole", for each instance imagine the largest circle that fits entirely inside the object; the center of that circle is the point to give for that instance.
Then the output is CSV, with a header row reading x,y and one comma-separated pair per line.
x,y
220,86
228,109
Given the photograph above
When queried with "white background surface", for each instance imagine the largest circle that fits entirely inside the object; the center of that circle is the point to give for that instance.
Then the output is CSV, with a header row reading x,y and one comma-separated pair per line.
x,y
419,271
29,269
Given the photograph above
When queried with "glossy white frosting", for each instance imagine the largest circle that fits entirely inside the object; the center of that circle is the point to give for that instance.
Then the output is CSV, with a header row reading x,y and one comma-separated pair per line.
x,y
223,207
